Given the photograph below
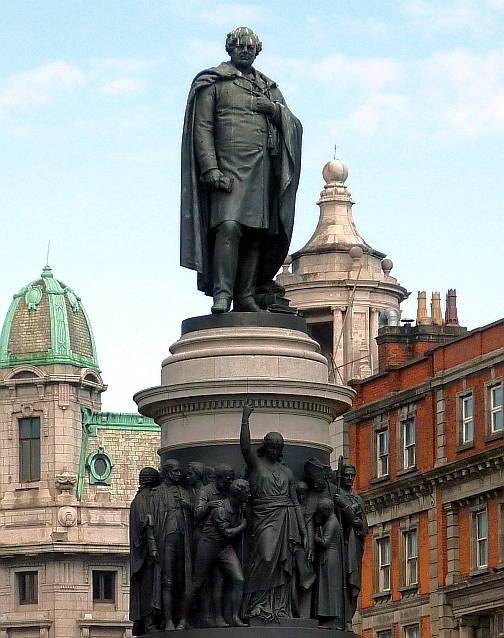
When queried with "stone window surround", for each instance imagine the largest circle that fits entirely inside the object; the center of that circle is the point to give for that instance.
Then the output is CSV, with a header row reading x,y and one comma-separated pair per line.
x,y
407,634
459,399
404,414
473,512
383,632
380,533
489,435
104,606
407,524
379,424
22,411
14,587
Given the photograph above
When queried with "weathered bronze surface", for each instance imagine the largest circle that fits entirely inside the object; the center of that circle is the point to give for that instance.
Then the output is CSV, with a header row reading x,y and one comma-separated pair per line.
x,y
212,550
241,156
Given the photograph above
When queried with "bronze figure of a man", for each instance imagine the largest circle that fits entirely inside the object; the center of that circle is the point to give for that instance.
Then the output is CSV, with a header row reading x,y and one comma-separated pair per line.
x,y
241,156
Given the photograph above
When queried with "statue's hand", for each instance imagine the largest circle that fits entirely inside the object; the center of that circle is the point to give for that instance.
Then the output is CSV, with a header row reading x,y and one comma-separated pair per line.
x,y
213,177
248,408
155,556
265,106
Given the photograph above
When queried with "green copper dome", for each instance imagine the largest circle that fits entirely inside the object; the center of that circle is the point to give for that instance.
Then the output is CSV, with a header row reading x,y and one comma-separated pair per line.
x,y
46,324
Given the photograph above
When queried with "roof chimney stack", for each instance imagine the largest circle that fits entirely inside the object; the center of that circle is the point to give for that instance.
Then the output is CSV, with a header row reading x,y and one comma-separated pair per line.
x,y
437,317
451,318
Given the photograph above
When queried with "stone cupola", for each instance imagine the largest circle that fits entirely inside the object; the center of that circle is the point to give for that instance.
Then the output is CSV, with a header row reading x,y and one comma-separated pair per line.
x,y
341,284
47,324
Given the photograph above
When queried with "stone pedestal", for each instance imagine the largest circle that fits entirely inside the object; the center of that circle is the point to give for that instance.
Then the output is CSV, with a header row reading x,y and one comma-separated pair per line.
x,y
222,361
271,631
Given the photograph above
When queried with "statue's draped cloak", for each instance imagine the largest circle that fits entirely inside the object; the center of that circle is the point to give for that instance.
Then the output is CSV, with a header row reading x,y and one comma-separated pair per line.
x,y
196,237
145,594
273,534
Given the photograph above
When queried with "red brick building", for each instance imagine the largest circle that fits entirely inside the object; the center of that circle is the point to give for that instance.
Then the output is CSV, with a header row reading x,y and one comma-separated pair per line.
x,y
427,439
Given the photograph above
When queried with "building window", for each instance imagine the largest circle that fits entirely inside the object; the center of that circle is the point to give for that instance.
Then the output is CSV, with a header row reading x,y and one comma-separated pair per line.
x,y
382,453
103,586
27,583
480,527
29,449
412,631
467,419
495,404
100,468
384,633
409,443
410,557
383,564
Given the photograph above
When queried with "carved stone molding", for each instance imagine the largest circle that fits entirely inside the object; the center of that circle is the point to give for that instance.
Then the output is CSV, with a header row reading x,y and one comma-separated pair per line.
x,y
67,516
205,405
65,482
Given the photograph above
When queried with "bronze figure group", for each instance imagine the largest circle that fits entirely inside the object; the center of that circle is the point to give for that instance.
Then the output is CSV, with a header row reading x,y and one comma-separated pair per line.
x,y
209,549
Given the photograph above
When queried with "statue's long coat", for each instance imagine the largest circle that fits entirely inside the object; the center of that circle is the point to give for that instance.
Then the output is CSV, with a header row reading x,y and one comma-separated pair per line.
x,y
145,588
196,236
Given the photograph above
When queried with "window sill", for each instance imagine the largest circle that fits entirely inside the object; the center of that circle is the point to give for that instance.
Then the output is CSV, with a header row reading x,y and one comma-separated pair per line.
x,y
461,447
481,571
382,596
407,470
24,487
495,436
407,590
379,479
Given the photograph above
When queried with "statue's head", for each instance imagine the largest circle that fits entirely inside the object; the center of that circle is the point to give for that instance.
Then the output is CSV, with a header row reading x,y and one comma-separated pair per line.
x,y
272,446
243,46
171,471
348,476
316,474
224,476
194,473
240,489
325,508
209,474
148,477
302,491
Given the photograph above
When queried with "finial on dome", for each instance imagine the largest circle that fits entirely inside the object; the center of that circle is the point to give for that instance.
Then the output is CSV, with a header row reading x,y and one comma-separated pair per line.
x,y
335,172
46,271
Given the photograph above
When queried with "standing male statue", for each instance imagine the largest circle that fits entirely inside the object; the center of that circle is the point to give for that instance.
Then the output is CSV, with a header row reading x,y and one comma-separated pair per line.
x,y
241,156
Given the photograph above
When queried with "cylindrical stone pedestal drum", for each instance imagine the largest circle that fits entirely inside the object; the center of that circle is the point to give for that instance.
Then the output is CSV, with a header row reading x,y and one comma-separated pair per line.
x,y
223,361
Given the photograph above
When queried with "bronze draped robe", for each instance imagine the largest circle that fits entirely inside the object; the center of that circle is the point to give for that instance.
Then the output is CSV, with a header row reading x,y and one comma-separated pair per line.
x,y
196,236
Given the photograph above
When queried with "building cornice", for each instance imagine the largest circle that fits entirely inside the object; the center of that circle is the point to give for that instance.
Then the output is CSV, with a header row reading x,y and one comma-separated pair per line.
x,y
421,483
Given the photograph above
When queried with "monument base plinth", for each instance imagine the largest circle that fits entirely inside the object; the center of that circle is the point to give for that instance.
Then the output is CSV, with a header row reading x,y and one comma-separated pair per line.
x,y
265,631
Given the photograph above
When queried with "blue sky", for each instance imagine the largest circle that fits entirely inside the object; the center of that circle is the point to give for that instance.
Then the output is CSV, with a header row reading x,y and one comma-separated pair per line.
x,y
91,105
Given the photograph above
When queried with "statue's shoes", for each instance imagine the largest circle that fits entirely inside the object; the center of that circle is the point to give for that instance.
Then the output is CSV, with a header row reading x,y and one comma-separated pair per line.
x,y
221,304
248,304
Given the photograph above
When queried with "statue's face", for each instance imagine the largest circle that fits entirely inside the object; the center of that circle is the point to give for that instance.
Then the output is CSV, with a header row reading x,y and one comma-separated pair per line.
x,y
224,480
348,477
190,476
173,472
302,492
325,510
243,55
319,485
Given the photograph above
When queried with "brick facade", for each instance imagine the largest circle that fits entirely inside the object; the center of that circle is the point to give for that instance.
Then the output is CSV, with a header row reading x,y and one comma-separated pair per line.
x,y
448,491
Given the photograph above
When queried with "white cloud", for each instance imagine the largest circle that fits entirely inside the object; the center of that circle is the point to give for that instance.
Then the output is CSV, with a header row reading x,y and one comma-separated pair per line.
x,y
120,86
40,85
217,13
471,16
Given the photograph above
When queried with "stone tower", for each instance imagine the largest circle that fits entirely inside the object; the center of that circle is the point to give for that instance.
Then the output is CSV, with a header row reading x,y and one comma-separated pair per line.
x,y
67,474
342,285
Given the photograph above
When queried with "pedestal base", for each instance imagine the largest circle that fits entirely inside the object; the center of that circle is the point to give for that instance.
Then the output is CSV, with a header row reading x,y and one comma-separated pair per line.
x,y
270,631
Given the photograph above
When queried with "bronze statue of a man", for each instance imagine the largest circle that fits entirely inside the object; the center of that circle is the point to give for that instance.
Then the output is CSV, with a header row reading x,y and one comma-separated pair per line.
x,y
241,156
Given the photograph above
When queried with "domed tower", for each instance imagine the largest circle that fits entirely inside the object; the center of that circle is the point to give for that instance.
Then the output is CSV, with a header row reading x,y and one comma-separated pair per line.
x,y
67,472
342,285
48,374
